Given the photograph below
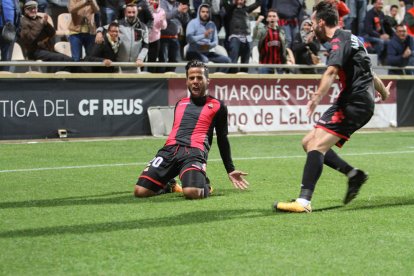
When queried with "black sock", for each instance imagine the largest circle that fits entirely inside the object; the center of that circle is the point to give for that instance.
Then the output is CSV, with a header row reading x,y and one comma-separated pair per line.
x,y
337,163
311,173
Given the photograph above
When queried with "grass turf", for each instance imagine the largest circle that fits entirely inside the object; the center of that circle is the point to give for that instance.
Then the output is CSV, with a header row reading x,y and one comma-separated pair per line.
x,y
67,208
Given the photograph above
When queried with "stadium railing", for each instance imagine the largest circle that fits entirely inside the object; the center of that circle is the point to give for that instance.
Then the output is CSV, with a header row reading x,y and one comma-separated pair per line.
x,y
181,65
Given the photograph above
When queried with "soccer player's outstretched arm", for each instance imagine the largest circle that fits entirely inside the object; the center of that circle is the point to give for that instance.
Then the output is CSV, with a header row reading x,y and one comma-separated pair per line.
x,y
381,88
235,176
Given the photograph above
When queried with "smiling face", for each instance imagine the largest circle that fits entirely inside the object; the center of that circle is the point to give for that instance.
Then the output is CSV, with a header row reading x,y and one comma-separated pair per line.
x,y
401,32
197,82
113,32
131,13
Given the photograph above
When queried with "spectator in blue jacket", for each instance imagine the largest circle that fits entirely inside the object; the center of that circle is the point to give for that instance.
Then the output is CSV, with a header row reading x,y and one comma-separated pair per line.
x,y
400,51
9,14
202,39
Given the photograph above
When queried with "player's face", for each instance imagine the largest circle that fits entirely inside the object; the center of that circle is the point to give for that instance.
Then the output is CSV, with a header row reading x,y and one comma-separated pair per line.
x,y
319,28
197,82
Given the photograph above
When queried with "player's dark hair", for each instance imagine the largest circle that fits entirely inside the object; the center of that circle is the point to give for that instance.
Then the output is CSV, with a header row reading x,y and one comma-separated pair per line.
x,y
394,7
327,12
196,63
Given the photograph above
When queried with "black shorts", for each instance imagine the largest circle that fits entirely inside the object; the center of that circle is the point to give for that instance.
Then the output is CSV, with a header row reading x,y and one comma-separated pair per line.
x,y
171,161
344,120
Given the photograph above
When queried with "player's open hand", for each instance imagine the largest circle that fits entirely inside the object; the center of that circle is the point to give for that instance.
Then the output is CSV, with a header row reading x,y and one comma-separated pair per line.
x,y
236,177
386,93
313,102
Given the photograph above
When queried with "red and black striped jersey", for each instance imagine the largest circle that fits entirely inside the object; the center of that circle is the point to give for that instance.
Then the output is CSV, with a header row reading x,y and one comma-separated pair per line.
x,y
194,123
270,48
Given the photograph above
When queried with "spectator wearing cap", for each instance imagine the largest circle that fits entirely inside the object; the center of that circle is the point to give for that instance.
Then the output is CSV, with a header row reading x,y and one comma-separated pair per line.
x,y
37,35
82,27
9,15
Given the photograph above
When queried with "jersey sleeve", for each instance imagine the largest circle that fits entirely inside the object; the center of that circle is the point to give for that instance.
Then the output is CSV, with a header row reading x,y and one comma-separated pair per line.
x,y
222,138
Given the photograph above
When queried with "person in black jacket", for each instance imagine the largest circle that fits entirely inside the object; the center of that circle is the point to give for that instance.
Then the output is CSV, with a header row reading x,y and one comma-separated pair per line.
x,y
305,47
238,34
106,51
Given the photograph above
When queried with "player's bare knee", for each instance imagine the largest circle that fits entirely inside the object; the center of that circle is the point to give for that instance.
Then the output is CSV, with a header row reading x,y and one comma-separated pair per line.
x,y
193,193
143,192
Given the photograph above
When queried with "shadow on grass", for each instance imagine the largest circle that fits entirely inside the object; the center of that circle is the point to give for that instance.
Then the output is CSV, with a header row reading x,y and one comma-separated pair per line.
x,y
107,198
196,217
376,203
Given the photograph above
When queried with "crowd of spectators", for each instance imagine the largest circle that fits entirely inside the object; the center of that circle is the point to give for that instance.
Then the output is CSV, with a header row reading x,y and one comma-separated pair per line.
x,y
139,31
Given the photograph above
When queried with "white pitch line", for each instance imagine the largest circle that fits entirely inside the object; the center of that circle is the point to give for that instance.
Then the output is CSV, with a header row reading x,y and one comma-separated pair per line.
x,y
210,160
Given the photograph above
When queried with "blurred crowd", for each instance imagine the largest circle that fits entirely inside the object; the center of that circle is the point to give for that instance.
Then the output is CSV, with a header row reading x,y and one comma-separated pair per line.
x,y
219,31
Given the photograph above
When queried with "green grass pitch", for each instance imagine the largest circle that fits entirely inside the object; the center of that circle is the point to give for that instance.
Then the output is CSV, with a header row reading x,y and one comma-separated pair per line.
x,y
66,207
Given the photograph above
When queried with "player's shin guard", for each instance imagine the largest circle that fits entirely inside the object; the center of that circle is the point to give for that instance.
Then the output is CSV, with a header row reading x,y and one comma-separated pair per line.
x,y
311,173
337,163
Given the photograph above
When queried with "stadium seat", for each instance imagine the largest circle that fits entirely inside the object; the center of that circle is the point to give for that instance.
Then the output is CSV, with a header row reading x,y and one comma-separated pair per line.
x,y
63,47
185,49
255,55
17,52
221,50
63,22
161,119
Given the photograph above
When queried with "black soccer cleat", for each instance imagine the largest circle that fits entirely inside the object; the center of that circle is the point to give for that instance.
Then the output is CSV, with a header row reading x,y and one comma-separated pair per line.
x,y
354,185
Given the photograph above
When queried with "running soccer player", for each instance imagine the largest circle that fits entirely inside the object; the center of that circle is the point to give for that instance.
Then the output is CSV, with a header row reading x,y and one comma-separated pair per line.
x,y
354,107
186,149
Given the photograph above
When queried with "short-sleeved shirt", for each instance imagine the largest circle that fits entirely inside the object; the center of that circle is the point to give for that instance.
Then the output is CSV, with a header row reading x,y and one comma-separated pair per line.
x,y
355,104
355,72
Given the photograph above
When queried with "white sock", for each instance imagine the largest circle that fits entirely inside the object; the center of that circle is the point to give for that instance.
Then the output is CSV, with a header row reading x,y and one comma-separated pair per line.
x,y
352,173
303,202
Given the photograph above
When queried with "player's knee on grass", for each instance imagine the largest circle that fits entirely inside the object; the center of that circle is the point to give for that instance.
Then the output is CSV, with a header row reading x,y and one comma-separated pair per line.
x,y
194,185
145,188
